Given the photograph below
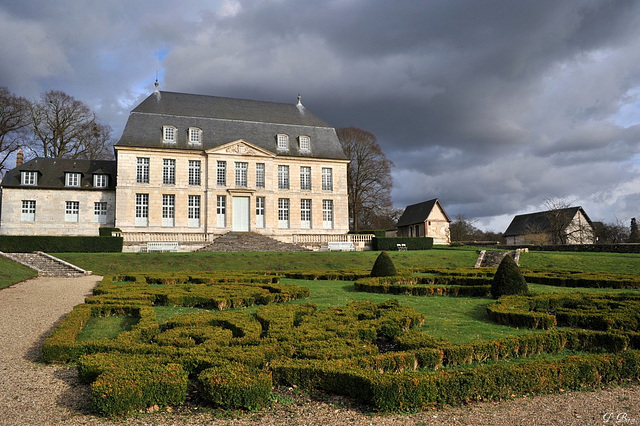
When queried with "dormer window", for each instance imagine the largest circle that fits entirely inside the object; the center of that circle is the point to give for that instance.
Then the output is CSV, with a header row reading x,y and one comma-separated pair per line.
x,y
283,142
195,136
169,134
100,180
29,178
72,179
305,143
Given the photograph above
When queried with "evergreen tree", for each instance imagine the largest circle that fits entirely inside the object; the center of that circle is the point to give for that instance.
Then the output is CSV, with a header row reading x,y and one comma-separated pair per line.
x,y
383,266
508,279
634,235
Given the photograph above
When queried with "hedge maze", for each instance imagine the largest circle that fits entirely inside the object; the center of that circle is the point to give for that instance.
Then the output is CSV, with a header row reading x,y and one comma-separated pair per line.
x,y
372,352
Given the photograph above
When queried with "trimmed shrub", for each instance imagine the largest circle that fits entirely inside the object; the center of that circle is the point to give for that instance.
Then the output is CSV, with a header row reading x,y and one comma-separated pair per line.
x,y
508,279
412,243
383,266
54,244
236,386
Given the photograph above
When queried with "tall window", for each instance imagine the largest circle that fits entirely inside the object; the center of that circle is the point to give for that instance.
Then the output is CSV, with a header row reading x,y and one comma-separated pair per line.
x,y
169,134
260,175
28,211
283,212
327,179
221,209
168,209
142,209
71,211
100,212
305,144
29,178
193,212
72,179
305,178
305,213
259,212
283,177
241,174
221,173
142,170
100,180
194,172
283,142
195,136
327,214
168,171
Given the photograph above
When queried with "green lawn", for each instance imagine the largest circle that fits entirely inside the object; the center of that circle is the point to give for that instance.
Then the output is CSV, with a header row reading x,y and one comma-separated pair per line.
x,y
116,263
12,272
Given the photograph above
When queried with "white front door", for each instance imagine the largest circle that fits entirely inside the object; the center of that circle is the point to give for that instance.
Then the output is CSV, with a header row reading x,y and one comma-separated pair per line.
x,y
240,214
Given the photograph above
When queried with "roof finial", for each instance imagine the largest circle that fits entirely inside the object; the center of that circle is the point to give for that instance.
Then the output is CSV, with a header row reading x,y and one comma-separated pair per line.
x,y
157,91
299,99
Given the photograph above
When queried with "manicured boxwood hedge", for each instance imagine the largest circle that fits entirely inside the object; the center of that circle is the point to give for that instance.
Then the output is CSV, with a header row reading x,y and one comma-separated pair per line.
x,y
51,244
391,243
235,358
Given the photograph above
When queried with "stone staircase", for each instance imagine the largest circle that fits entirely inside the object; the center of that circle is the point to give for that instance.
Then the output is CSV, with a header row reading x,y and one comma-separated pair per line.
x,y
492,259
249,242
46,265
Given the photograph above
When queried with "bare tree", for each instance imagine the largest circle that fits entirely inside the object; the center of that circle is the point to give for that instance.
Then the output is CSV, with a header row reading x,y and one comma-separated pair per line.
x,y
556,215
368,177
611,233
64,127
14,124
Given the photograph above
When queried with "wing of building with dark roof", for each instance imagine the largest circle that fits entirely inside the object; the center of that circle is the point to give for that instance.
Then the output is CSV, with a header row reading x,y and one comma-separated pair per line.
x,y
51,173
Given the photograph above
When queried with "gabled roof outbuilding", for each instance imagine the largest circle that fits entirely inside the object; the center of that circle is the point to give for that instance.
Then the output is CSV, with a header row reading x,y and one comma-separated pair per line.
x,y
418,213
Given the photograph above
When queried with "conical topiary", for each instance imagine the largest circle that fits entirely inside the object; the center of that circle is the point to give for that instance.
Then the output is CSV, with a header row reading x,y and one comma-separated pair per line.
x,y
383,266
508,279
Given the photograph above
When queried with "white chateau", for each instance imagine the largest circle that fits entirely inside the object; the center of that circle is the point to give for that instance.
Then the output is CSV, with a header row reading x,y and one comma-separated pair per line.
x,y
190,168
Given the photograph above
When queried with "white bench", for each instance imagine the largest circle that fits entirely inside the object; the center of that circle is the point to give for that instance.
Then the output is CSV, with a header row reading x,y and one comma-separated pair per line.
x,y
402,247
341,246
162,246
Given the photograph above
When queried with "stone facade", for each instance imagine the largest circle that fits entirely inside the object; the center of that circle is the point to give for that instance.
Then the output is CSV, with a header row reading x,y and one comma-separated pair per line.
x,y
209,190
559,227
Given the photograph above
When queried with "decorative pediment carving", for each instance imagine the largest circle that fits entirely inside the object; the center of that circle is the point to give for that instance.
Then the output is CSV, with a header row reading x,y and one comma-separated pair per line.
x,y
240,147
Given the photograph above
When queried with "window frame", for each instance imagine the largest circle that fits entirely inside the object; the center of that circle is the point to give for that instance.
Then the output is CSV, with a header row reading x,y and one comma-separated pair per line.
x,y
194,204
260,212
168,130
221,210
142,209
29,178
305,178
260,175
142,169
304,143
195,172
327,214
305,213
284,215
72,179
197,132
282,142
241,174
283,176
168,171
100,180
327,179
72,211
221,173
28,211
168,210
100,209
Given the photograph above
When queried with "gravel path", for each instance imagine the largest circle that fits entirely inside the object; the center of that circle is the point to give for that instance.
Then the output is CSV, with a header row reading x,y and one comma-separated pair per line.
x,y
33,393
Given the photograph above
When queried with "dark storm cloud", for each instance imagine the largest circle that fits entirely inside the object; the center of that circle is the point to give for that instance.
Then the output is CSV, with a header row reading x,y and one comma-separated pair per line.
x,y
490,106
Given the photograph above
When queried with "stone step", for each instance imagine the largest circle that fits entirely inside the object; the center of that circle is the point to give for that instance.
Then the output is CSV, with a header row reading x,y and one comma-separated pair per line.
x,y
46,265
250,242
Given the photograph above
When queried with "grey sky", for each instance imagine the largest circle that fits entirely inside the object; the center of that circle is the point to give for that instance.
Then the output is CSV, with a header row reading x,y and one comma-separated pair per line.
x,y
491,106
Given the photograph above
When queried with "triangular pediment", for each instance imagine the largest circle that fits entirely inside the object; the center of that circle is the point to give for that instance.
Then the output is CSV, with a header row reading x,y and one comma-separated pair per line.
x,y
240,147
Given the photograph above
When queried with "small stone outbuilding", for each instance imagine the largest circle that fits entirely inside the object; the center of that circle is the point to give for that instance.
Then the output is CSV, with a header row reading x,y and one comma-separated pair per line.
x,y
425,219
559,226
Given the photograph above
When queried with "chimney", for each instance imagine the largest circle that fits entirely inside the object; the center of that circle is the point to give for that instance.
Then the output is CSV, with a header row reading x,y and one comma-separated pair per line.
x,y
19,158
